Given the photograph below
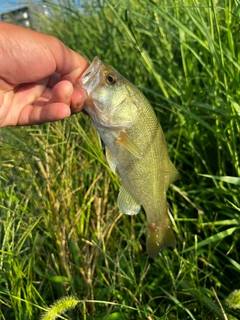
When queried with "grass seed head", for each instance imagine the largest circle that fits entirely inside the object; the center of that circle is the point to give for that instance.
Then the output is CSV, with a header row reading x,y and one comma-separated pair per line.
x,y
233,300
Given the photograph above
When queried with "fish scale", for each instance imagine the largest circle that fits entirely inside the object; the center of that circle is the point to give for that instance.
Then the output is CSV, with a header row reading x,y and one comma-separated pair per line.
x,y
135,146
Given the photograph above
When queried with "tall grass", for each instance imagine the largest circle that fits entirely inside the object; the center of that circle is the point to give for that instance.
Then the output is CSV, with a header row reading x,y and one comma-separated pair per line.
x,y
61,231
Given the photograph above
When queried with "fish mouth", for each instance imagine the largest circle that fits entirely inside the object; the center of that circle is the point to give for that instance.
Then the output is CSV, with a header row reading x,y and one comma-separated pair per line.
x,y
90,77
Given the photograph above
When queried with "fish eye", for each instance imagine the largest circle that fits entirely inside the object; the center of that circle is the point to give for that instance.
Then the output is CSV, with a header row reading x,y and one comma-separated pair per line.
x,y
111,79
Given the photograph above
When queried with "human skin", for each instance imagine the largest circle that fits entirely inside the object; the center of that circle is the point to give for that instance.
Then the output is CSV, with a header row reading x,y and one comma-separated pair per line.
x,y
38,77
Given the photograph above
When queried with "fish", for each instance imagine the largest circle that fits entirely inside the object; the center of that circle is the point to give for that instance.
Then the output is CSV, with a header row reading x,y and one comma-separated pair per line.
x,y
135,148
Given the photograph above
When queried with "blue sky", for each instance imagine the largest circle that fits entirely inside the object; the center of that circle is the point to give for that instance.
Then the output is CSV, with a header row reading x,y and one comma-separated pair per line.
x,y
9,5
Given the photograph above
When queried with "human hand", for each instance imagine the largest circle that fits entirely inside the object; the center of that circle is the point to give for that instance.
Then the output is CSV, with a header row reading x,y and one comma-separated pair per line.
x,y
38,74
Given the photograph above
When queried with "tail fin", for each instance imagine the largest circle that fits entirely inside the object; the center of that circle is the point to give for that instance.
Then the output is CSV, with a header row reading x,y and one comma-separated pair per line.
x,y
158,238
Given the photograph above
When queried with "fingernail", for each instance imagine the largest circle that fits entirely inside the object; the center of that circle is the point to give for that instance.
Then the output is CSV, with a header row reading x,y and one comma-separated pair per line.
x,y
70,92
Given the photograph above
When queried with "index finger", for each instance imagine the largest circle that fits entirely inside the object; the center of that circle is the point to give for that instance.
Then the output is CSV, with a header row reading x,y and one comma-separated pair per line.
x,y
29,56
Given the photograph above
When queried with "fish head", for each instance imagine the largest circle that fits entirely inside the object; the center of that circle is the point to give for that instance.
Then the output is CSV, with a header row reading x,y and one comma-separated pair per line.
x,y
111,99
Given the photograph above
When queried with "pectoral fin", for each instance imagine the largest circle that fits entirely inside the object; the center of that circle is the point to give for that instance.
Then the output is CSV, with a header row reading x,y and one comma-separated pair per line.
x,y
126,203
129,145
110,159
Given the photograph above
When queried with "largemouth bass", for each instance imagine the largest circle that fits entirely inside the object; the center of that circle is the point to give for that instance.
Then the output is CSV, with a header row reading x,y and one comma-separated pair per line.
x,y
135,146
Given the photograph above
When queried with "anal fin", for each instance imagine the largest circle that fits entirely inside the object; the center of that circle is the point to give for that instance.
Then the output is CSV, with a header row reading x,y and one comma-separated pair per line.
x,y
126,203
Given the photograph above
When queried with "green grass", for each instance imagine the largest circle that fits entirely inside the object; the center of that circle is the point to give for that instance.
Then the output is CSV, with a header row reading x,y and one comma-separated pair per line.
x,y
61,232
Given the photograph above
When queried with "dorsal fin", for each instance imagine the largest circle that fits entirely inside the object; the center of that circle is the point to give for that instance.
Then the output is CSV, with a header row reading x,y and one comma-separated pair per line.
x,y
174,174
